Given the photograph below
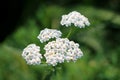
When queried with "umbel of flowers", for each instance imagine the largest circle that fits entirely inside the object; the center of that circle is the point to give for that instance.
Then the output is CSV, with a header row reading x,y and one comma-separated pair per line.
x,y
60,49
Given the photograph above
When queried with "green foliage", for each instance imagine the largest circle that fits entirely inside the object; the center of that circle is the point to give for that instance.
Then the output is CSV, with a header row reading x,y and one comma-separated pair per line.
x,y
100,60
12,66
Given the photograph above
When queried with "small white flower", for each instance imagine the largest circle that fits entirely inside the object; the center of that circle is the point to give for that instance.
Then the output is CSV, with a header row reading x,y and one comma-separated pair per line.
x,y
60,50
75,18
31,54
47,34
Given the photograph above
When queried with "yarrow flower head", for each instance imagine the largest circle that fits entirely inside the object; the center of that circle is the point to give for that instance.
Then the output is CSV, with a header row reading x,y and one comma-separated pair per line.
x,y
75,18
31,54
47,34
60,50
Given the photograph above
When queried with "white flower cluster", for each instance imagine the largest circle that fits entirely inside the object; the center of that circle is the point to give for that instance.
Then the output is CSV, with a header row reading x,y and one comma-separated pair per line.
x,y
47,34
60,50
31,54
75,18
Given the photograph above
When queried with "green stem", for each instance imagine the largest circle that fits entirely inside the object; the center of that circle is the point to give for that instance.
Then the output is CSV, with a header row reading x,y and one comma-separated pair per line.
x,y
69,33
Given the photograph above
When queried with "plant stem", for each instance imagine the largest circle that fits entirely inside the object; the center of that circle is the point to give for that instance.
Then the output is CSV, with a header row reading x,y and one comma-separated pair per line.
x,y
69,32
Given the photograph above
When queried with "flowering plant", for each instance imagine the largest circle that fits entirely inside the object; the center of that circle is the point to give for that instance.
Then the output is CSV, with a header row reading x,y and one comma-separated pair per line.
x,y
57,50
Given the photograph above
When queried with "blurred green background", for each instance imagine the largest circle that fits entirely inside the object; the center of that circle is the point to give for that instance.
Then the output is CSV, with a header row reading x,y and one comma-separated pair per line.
x,y
100,42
